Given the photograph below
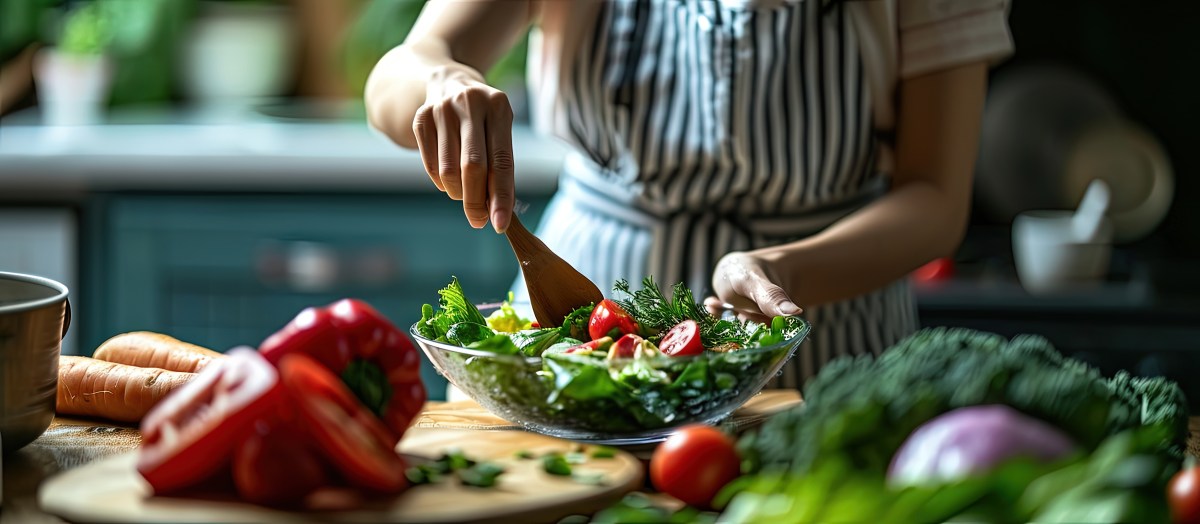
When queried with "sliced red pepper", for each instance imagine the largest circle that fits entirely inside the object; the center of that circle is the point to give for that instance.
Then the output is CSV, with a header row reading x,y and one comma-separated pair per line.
x,y
353,440
374,359
279,465
192,434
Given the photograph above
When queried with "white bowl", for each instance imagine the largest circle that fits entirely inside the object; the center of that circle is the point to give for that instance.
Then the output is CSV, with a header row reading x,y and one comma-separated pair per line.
x,y
1050,259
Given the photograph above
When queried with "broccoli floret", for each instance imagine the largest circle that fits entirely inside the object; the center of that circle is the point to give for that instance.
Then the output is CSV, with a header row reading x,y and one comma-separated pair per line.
x,y
865,408
1154,401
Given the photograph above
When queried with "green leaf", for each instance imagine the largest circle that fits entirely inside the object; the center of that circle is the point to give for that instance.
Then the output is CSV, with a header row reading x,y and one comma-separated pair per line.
x,y
534,342
575,325
556,464
499,344
467,333
481,475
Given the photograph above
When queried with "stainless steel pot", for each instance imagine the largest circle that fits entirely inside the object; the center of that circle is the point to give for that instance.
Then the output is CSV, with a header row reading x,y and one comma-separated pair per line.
x,y
34,317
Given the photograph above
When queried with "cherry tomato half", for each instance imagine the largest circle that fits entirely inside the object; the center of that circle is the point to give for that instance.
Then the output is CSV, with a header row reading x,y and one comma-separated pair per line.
x,y
353,439
193,432
625,346
1183,496
694,463
682,340
609,320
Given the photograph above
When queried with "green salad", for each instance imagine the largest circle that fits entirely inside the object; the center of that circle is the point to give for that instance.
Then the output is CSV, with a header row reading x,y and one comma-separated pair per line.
x,y
637,362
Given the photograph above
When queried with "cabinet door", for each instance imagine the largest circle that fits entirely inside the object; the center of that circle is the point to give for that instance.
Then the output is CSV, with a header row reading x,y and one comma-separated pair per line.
x,y
223,271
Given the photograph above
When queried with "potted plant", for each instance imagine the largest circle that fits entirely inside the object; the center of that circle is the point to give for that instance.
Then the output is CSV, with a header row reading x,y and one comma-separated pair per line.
x,y
236,51
73,77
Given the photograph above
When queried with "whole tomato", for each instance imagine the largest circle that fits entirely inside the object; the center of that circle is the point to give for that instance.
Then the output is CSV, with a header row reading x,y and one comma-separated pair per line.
x,y
694,463
609,320
1183,495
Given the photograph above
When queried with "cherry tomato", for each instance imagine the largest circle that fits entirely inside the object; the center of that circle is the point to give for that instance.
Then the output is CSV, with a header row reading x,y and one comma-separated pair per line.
x,y
609,320
694,463
682,340
1183,496
193,433
625,346
352,439
278,465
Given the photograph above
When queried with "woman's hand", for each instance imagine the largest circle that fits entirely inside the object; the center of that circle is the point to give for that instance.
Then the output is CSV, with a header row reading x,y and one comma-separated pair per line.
x,y
749,283
464,133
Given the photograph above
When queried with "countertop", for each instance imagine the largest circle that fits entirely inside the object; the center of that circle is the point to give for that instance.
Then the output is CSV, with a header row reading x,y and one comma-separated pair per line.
x,y
288,147
70,443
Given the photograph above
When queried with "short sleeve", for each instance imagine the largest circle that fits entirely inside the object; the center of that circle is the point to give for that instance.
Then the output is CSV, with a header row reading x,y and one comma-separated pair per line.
x,y
939,34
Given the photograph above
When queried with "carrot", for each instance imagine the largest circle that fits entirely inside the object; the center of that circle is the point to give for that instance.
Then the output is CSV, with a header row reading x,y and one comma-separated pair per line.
x,y
155,350
120,392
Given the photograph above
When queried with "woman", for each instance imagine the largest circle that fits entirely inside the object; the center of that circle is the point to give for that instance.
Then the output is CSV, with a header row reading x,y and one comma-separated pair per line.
x,y
795,152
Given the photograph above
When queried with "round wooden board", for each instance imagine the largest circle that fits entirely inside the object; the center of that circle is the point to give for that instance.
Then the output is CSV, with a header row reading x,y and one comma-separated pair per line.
x,y
111,490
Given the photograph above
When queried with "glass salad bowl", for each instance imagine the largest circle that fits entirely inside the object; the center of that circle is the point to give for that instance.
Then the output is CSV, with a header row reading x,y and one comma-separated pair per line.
x,y
623,401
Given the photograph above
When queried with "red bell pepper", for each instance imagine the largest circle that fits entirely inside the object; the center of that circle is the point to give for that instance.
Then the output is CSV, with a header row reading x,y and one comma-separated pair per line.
x,y
375,360
193,433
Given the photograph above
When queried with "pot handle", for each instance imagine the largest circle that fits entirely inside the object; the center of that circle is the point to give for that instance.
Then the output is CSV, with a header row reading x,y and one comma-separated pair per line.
x,y
66,318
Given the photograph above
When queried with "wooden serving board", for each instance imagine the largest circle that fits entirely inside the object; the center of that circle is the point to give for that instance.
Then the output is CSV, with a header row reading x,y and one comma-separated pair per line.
x,y
111,490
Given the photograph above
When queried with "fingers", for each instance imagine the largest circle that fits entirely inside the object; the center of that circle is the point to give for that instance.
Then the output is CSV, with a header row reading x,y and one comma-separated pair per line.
x,y
425,129
715,306
741,282
465,140
449,170
501,174
474,165
773,301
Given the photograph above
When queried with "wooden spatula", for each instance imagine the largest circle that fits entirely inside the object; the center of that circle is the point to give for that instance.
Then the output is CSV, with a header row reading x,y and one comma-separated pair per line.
x,y
555,288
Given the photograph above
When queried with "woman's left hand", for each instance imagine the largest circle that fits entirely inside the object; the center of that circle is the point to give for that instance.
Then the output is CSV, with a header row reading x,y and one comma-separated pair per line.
x,y
749,284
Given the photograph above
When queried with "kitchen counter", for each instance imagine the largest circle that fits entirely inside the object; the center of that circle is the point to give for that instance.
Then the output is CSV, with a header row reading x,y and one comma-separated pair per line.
x,y
287,147
70,443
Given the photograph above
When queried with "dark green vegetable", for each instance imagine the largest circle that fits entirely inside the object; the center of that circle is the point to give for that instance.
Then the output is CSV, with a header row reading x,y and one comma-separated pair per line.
x,y
499,344
1124,480
1157,401
454,462
862,409
482,475
533,343
556,464
575,325
524,454
635,507
603,452
656,313
455,309
467,333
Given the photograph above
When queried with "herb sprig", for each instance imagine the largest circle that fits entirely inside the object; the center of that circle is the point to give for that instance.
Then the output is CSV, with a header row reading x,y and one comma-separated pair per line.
x,y
656,312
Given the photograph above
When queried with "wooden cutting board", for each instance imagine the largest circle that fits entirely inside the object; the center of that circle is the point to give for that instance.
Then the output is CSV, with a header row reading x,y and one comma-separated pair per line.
x,y
110,490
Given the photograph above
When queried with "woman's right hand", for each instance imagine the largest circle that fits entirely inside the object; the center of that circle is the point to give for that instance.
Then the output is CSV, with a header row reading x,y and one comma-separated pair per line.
x,y
464,133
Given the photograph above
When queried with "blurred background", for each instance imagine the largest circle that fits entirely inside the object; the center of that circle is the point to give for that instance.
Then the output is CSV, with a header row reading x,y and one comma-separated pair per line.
x,y
203,168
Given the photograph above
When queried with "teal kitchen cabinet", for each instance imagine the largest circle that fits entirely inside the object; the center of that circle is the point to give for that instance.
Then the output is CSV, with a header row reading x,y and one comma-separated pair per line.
x,y
224,270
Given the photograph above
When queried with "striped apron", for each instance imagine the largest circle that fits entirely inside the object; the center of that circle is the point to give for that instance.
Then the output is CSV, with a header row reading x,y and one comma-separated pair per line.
x,y
702,127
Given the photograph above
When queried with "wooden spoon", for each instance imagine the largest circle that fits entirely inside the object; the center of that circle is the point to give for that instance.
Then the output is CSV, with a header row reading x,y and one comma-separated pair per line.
x,y
555,288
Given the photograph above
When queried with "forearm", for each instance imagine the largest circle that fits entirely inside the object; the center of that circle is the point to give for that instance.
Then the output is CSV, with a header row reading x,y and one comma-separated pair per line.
x,y
870,248
450,42
399,85
925,214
